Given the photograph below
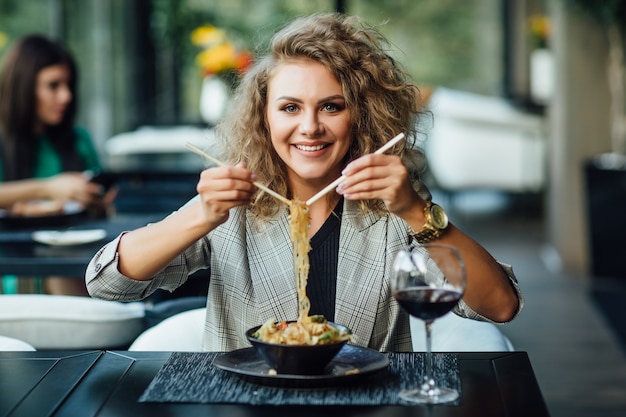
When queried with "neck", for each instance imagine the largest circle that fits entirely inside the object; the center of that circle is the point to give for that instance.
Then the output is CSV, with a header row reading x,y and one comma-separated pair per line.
x,y
39,128
319,212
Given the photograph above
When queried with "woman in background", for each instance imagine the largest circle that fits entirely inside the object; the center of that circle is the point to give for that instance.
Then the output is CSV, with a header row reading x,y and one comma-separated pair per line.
x,y
43,155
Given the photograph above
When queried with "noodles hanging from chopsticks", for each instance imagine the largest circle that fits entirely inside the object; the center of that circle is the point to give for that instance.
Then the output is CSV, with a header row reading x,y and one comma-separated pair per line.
x,y
299,232
306,330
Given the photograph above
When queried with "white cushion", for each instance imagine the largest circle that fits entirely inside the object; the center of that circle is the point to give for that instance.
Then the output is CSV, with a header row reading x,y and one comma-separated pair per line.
x,y
484,142
182,332
70,322
11,344
452,333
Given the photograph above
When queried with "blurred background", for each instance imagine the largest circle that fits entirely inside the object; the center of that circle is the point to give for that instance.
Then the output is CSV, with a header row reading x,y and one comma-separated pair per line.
x,y
526,148
138,60
542,64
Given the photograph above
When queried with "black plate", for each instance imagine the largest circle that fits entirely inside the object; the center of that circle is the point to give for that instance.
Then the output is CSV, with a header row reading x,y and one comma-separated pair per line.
x,y
351,363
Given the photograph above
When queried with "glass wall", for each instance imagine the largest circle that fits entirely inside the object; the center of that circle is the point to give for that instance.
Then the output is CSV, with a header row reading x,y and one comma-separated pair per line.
x,y
248,23
457,44
138,63
18,18
445,43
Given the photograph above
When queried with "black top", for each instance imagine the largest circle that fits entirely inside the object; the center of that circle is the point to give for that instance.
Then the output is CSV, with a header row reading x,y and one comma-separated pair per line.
x,y
322,283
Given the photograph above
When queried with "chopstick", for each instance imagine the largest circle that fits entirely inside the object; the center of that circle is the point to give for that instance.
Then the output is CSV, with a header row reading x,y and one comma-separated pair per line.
x,y
335,183
259,185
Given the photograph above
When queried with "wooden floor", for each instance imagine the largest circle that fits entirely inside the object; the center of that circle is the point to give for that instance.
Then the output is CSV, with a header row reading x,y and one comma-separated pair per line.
x,y
577,358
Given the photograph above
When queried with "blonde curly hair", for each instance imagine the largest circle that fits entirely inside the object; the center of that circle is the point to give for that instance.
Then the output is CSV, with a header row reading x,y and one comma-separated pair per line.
x,y
382,99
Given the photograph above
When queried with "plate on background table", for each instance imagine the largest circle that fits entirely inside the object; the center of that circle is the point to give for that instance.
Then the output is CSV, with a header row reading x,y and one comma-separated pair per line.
x,y
70,213
68,237
351,363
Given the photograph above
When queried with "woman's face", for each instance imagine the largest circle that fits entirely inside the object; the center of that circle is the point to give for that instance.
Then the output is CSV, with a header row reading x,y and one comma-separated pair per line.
x,y
53,94
309,124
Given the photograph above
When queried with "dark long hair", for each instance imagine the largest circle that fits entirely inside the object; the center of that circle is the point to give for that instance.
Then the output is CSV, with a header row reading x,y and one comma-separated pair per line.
x,y
18,106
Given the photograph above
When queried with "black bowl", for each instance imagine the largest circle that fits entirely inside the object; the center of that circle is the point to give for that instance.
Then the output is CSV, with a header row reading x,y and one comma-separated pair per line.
x,y
297,359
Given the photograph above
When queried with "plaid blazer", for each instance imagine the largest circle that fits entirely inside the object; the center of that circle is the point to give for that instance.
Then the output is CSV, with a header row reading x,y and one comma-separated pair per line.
x,y
252,278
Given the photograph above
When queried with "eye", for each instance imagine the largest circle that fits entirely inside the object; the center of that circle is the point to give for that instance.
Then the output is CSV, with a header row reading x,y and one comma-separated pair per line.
x,y
332,107
290,108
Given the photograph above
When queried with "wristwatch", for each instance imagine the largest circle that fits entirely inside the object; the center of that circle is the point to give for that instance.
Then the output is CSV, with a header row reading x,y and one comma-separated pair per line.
x,y
436,223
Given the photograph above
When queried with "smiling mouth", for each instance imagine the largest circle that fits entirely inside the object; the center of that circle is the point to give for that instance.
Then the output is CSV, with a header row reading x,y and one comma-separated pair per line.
x,y
311,148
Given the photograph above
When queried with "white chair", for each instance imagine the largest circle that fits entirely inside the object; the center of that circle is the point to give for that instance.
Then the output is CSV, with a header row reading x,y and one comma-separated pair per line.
x,y
483,142
10,344
181,332
70,322
184,331
452,333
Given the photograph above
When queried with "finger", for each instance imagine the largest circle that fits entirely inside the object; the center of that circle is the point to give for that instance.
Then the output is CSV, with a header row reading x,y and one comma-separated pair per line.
x,y
238,171
227,184
369,177
111,195
370,160
93,188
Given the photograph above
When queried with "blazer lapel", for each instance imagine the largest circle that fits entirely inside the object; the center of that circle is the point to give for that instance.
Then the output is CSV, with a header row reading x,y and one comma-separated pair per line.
x,y
270,256
360,271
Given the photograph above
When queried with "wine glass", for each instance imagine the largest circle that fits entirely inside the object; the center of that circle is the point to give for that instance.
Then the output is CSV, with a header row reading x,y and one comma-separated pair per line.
x,y
428,281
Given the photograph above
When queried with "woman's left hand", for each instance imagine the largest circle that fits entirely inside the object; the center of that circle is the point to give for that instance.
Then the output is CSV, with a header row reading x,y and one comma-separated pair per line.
x,y
383,177
386,178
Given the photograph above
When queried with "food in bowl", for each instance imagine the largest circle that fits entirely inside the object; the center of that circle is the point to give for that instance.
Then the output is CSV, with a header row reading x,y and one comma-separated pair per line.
x,y
314,331
299,359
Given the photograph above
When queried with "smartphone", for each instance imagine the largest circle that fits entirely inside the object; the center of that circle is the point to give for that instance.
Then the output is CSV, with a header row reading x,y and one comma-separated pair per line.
x,y
105,179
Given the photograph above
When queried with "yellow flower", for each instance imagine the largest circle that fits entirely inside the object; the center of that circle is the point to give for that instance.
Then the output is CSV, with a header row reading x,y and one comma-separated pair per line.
x,y
539,30
4,38
207,35
217,59
218,55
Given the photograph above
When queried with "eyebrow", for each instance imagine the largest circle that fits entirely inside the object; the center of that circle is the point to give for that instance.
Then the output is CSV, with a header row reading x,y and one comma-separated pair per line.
x,y
323,100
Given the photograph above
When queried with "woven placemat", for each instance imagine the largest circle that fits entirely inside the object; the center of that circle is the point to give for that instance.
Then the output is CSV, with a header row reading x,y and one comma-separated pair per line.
x,y
192,378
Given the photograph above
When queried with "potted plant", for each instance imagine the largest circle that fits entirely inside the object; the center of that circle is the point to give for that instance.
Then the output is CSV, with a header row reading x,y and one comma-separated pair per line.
x,y
605,173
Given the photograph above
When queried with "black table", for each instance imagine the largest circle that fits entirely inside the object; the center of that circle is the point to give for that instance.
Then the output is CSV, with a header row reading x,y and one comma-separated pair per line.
x,y
21,255
144,196
108,383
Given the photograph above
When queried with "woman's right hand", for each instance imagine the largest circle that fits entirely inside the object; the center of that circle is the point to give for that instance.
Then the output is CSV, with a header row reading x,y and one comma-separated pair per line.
x,y
222,188
144,252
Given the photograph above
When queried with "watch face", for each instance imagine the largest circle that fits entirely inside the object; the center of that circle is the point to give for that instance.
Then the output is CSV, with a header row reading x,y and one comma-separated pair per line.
x,y
440,219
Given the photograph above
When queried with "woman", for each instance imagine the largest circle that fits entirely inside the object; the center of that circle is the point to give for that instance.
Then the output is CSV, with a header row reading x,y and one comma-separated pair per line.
x,y
43,155
325,97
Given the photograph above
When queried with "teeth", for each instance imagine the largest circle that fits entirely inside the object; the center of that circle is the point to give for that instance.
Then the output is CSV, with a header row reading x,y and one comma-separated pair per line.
x,y
310,148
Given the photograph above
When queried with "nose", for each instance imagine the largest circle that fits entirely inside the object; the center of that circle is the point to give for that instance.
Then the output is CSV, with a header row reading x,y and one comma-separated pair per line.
x,y
310,124
65,94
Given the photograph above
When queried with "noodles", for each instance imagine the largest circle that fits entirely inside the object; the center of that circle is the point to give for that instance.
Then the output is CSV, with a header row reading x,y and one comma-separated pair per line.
x,y
307,330
316,332
299,231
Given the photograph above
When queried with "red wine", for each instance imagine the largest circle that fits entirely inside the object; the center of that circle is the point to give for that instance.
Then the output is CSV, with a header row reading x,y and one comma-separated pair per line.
x,y
427,303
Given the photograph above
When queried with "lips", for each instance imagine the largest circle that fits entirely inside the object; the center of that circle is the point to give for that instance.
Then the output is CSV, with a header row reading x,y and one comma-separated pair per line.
x,y
311,148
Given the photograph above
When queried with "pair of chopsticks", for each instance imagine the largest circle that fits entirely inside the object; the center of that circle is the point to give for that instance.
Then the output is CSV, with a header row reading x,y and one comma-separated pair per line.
x,y
259,185
335,183
285,200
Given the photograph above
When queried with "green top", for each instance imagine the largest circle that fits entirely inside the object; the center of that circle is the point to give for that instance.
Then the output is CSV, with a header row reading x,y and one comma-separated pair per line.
x,y
48,162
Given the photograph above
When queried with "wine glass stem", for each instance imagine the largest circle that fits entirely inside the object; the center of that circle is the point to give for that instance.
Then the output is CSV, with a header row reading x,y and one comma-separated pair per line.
x,y
429,381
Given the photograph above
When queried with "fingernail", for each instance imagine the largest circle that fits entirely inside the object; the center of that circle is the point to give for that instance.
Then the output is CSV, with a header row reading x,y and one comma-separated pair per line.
x,y
341,187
